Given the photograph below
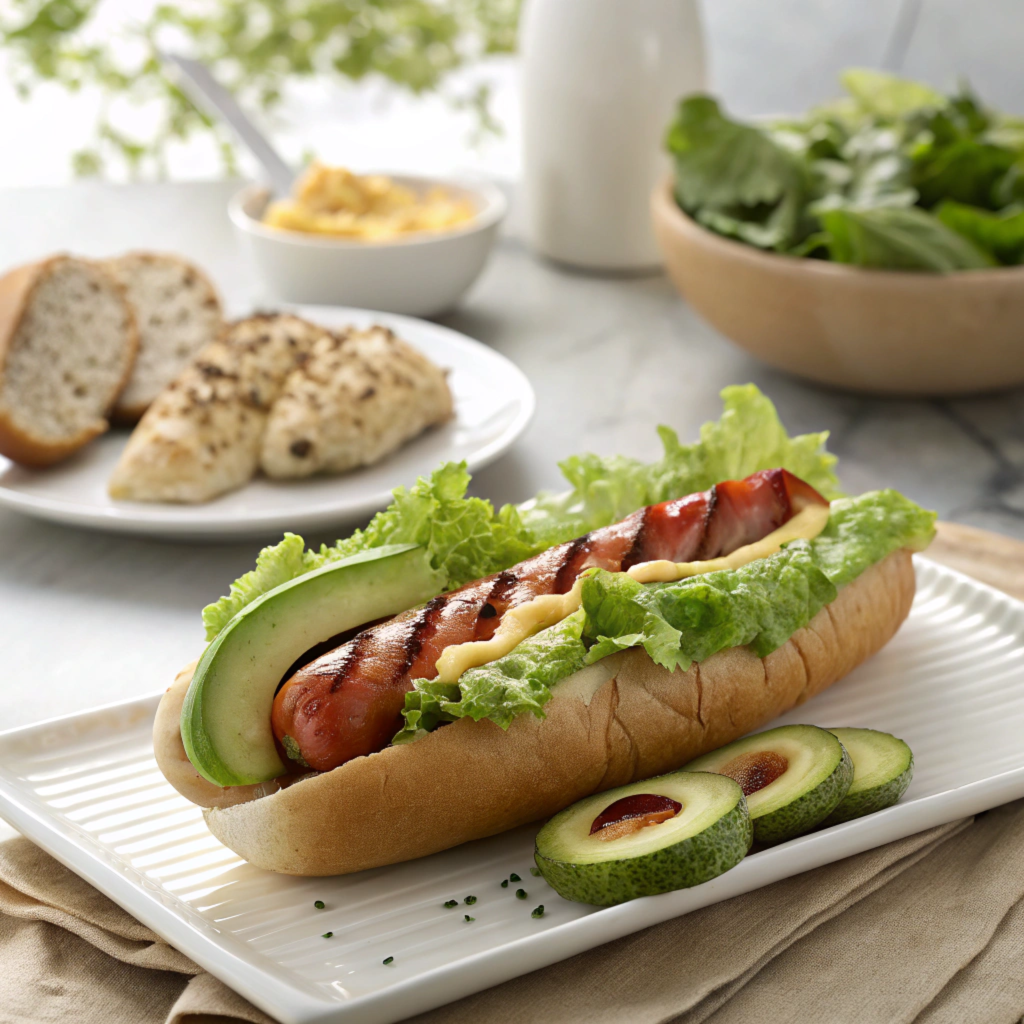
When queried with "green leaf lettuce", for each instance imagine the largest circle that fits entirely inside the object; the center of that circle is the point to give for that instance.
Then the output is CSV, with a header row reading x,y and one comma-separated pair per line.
x,y
748,437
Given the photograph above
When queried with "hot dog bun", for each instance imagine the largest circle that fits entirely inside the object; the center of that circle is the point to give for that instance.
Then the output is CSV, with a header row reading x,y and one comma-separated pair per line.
x,y
174,763
617,721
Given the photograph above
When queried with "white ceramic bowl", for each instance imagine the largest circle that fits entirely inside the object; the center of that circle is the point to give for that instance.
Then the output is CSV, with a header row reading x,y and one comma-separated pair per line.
x,y
420,275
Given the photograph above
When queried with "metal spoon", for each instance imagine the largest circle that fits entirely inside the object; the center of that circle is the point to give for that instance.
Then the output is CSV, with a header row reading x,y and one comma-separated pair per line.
x,y
206,92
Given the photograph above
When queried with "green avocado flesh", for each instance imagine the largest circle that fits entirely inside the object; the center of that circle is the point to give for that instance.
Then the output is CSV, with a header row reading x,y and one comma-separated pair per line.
x,y
882,769
225,720
708,836
808,773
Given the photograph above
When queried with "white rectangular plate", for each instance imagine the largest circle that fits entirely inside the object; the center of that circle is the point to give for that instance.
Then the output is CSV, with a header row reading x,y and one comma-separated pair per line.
x,y
86,789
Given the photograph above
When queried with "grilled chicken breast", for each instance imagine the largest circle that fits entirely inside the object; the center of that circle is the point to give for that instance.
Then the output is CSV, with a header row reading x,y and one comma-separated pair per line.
x,y
201,437
358,397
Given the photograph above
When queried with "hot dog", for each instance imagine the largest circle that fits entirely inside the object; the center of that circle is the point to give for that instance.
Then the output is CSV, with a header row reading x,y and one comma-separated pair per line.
x,y
679,627
348,702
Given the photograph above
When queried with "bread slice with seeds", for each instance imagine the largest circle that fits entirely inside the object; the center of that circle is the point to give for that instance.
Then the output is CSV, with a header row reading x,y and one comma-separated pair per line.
x,y
202,435
360,395
178,314
68,342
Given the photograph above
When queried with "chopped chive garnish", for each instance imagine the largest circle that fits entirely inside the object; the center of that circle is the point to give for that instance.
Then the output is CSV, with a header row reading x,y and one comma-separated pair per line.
x,y
468,918
535,872
391,959
319,904
328,935
520,894
451,903
504,884
537,911
470,900
514,877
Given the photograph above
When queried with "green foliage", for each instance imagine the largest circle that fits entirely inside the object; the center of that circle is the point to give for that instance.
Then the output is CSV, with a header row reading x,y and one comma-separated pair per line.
x,y
887,96
464,537
254,47
1001,234
862,180
898,238
748,437
723,163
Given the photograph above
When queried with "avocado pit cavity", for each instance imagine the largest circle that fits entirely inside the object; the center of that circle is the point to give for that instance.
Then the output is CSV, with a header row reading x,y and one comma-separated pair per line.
x,y
632,813
755,770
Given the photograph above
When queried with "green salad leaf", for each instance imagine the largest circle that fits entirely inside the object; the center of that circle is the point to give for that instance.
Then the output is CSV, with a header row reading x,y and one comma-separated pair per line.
x,y
760,605
898,238
464,535
276,564
705,143
862,180
518,683
1000,234
888,96
863,530
738,179
748,437
467,538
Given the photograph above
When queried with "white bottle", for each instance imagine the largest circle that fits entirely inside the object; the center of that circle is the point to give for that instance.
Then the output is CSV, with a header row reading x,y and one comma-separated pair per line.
x,y
601,79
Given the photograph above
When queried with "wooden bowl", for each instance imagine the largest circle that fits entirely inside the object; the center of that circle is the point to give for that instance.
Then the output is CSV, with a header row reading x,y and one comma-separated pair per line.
x,y
880,331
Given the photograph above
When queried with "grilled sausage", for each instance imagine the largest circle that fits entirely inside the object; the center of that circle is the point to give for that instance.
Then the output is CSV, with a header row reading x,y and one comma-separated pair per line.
x,y
348,702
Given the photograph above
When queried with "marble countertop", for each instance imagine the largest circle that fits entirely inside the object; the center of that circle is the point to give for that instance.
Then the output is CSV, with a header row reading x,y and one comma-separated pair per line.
x,y
90,618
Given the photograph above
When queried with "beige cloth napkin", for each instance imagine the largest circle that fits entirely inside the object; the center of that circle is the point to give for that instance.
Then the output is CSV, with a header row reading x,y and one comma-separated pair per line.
x,y
928,929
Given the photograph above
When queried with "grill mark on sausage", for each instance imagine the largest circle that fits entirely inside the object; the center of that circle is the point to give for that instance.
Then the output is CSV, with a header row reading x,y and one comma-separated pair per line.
x,y
422,628
354,653
635,555
497,596
561,582
333,643
781,491
504,583
709,516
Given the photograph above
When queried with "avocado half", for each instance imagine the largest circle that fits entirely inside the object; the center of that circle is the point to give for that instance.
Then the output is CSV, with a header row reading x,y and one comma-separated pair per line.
x,y
225,720
882,769
793,777
704,831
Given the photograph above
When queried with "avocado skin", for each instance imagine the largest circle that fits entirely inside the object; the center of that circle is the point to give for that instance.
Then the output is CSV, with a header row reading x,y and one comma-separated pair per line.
x,y
856,805
803,814
680,866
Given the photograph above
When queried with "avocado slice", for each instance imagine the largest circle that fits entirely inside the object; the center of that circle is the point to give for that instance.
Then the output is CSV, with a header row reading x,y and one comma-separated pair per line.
x,y
225,720
882,769
793,777
670,832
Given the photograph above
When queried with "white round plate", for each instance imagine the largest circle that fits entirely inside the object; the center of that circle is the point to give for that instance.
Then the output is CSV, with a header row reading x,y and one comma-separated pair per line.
x,y
493,404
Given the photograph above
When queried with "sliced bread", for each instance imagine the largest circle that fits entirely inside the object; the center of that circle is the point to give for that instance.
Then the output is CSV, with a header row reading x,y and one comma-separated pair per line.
x,y
202,435
68,342
358,397
178,314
